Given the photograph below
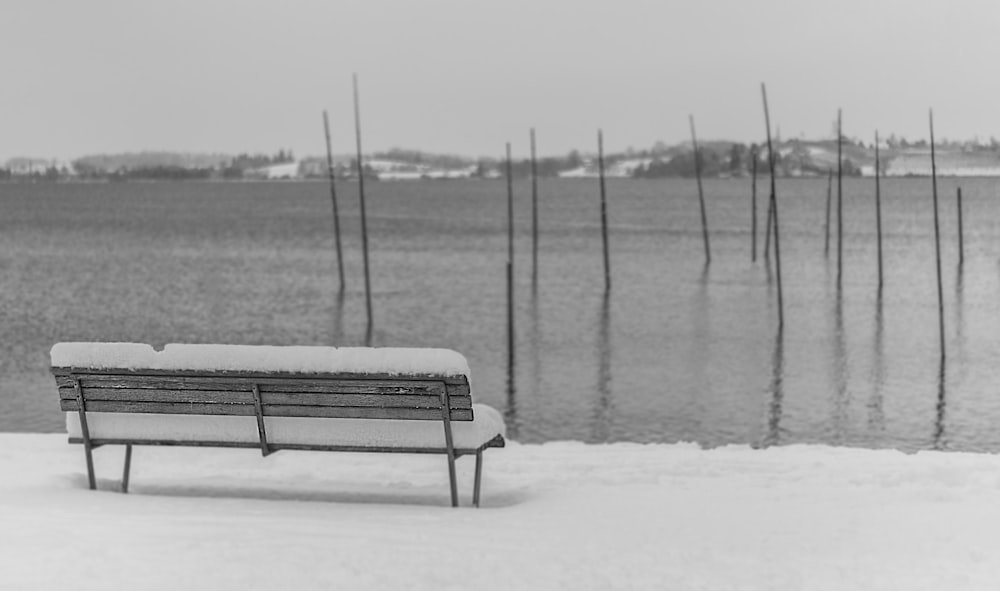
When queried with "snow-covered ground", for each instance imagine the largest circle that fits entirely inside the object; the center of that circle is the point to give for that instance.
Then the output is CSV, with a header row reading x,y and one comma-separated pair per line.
x,y
554,516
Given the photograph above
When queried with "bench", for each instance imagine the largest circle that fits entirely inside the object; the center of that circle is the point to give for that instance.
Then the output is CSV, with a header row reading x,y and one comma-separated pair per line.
x,y
275,399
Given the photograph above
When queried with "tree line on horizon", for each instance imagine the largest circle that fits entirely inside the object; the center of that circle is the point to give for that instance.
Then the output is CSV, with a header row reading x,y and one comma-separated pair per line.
x,y
717,159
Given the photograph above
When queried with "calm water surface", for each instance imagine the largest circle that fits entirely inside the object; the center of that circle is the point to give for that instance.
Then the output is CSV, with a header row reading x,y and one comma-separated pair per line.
x,y
677,351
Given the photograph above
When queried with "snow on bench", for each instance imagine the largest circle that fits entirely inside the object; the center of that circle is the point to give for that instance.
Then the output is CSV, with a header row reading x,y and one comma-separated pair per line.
x,y
274,398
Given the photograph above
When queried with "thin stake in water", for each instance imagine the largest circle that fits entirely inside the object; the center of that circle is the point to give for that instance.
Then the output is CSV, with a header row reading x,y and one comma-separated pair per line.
x,y
767,231
510,271
937,236
364,221
878,209
510,209
701,193
829,192
961,241
753,205
840,199
604,210
333,198
774,207
534,211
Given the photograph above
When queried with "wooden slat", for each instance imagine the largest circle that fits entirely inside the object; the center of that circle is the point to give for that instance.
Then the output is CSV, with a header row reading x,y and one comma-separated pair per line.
x,y
306,399
167,442
287,384
82,371
146,395
220,397
459,389
272,410
399,401
424,414
415,388
180,408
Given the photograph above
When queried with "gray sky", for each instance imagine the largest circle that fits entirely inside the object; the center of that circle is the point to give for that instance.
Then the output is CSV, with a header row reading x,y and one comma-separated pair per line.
x,y
467,76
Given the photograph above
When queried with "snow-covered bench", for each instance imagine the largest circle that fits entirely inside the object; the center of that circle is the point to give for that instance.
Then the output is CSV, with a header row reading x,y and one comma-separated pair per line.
x,y
273,398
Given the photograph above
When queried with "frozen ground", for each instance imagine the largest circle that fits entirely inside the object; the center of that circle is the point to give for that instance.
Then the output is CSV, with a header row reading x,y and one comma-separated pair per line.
x,y
555,516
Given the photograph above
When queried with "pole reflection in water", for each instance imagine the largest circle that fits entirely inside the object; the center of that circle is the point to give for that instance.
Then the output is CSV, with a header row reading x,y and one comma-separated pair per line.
x,y
535,338
699,349
841,376
603,408
510,413
369,334
338,317
876,414
939,437
773,436
960,311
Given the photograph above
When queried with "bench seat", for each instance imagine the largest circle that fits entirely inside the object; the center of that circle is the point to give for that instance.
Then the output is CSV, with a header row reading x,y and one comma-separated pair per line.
x,y
374,433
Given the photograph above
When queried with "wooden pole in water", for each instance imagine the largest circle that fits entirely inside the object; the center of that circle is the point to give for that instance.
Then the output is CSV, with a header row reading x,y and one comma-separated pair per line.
x,y
774,207
840,200
333,198
878,208
604,210
510,210
510,269
937,236
767,227
534,211
361,196
767,231
829,192
961,244
701,193
753,205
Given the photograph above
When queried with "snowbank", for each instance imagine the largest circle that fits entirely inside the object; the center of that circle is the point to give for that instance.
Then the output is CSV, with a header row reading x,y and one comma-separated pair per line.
x,y
262,358
554,516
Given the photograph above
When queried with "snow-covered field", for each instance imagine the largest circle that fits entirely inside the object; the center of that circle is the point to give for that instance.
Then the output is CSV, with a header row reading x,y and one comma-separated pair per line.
x,y
554,516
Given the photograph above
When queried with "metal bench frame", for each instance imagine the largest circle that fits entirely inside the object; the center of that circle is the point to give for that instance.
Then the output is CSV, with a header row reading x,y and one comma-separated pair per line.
x,y
266,447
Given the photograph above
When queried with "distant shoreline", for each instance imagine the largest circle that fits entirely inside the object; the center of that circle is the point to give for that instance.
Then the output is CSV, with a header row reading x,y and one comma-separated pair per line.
x,y
608,178
719,159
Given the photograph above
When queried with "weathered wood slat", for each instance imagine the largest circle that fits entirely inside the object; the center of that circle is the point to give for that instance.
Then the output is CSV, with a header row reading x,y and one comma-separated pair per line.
x,y
420,414
145,395
270,410
84,371
180,408
294,398
347,386
381,400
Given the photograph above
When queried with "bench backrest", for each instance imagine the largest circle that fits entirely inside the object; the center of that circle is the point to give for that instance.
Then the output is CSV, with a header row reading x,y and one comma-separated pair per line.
x,y
364,396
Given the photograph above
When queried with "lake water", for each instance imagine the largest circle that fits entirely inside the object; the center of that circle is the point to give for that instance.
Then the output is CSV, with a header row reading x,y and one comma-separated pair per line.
x,y
677,351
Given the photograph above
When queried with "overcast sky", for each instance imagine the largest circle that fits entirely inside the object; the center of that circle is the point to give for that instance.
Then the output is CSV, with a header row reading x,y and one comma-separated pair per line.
x,y
465,76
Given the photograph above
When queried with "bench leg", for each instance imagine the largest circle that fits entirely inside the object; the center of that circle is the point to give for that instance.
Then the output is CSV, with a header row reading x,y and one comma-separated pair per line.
x,y
479,478
454,480
89,453
128,466
85,431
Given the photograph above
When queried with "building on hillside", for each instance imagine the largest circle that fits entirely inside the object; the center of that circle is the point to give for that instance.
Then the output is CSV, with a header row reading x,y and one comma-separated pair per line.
x,y
37,166
285,170
618,169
